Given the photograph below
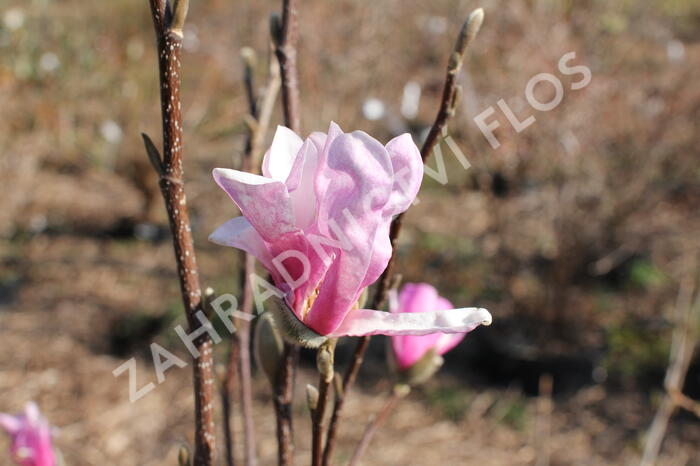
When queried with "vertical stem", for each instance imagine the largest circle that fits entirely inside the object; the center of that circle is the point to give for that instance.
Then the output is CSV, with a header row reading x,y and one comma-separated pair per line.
x,y
397,393
244,358
260,116
168,27
317,422
283,404
284,36
450,94
683,342
286,51
324,363
227,393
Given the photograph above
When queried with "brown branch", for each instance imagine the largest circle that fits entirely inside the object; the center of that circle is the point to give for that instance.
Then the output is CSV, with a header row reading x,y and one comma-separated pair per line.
x,y
285,37
683,342
324,363
168,26
258,121
448,103
397,393
284,390
228,390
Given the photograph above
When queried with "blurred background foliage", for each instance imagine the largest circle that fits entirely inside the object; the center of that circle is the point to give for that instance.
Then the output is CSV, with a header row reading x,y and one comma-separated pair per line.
x,y
574,232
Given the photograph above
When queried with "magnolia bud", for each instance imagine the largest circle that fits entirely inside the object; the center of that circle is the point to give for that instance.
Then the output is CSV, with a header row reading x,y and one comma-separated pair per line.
x,y
268,346
311,397
324,360
423,369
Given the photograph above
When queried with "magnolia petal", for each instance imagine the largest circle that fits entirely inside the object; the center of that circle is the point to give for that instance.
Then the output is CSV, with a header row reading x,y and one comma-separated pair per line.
x,y
300,185
279,159
447,341
263,201
370,322
11,424
360,170
408,173
239,233
322,182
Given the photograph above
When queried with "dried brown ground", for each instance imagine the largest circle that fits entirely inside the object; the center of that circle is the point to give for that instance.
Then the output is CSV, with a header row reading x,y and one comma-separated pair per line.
x,y
574,233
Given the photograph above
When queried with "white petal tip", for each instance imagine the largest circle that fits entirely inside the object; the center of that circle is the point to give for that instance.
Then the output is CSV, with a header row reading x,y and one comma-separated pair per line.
x,y
486,319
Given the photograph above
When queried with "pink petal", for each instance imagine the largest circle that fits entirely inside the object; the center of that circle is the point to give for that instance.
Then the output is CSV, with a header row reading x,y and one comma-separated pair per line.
x,y
300,185
239,233
418,297
358,178
407,168
279,159
408,173
263,201
369,322
446,342
11,424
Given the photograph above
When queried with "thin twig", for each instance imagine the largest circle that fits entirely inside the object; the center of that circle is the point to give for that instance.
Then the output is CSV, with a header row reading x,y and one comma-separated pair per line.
x,y
397,393
324,363
258,121
228,390
284,385
168,27
285,37
448,103
683,342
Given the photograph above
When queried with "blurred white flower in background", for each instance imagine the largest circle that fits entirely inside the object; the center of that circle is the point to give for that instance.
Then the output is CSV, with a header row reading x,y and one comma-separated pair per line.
x,y
49,62
14,19
435,25
190,41
675,51
373,109
111,131
410,100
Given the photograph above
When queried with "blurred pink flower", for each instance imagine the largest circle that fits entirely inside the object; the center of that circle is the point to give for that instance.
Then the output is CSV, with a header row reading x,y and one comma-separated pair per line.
x,y
318,220
31,437
417,298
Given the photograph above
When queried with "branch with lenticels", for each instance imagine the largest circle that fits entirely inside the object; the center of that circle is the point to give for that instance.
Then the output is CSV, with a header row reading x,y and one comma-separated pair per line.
x,y
168,22
284,36
450,98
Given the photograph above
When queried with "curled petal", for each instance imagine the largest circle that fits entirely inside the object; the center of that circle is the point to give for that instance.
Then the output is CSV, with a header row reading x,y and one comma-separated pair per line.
x,y
263,201
239,233
408,173
279,159
300,185
369,322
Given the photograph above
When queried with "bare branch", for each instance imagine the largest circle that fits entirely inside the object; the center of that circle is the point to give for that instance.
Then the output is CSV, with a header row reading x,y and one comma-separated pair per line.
x,y
324,363
447,105
683,342
397,393
240,346
171,186
285,35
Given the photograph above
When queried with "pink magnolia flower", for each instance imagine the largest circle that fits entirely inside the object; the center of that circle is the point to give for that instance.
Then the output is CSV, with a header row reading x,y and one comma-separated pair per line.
x,y
416,298
31,437
318,220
